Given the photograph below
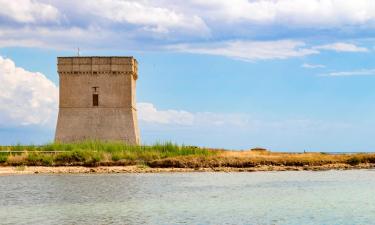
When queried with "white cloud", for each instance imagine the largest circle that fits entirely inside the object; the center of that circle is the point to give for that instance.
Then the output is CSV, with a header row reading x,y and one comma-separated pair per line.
x,y
154,24
162,15
308,13
342,47
265,50
28,11
312,66
26,97
250,50
159,19
54,38
362,72
148,113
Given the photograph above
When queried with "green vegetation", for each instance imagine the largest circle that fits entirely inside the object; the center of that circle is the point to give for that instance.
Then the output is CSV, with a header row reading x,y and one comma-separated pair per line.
x,y
3,157
94,153
167,155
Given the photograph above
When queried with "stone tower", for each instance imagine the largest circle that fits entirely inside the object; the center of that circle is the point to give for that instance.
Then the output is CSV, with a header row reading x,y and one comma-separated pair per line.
x,y
97,99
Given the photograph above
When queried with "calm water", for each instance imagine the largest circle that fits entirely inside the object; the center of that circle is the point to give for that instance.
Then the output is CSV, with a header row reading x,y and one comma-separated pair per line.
x,y
334,197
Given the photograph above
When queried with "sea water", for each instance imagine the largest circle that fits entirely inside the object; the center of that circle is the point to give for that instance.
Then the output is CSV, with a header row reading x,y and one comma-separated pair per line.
x,y
330,197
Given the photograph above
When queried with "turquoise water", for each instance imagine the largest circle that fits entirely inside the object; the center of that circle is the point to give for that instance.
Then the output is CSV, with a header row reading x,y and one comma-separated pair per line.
x,y
332,197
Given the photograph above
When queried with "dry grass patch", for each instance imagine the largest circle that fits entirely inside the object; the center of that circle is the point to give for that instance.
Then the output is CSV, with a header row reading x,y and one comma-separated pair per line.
x,y
17,159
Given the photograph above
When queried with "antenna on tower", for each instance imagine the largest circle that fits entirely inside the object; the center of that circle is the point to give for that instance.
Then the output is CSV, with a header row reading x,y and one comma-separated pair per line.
x,y
78,53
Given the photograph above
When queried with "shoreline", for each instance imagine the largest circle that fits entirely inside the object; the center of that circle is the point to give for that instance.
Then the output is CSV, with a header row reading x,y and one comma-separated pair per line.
x,y
97,157
28,170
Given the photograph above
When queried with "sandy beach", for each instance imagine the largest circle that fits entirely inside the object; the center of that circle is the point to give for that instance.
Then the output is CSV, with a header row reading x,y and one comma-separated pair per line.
x,y
13,170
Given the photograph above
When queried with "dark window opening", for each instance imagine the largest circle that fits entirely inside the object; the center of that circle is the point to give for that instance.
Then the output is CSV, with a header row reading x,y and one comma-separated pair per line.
x,y
95,100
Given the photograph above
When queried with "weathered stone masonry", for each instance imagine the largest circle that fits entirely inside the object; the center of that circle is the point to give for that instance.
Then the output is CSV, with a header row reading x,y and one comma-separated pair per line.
x,y
97,99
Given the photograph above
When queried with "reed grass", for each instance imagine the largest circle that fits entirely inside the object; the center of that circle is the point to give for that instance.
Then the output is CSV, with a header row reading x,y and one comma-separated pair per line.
x,y
92,153
96,153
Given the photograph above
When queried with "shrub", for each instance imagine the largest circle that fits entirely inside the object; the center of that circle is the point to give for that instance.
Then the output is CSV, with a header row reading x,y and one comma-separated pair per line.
x,y
258,149
3,158
93,159
353,161
117,156
17,159
71,157
370,159
39,159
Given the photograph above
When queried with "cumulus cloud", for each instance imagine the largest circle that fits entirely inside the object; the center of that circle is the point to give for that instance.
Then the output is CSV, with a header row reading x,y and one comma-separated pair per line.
x,y
28,11
342,47
250,50
26,98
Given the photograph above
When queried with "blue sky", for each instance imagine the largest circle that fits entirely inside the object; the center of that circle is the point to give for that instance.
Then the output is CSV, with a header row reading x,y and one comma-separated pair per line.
x,y
287,75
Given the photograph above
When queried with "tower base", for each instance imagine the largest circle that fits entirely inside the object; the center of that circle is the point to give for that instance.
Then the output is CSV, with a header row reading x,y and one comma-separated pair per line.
x,y
103,124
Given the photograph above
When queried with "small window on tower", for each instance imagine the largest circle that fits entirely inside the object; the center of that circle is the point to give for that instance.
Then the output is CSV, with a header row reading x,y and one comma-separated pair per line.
x,y
95,100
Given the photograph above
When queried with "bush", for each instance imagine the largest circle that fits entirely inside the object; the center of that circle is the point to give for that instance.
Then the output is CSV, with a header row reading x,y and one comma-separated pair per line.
x,y
258,149
86,157
3,157
354,161
93,159
17,159
370,159
71,157
37,159
117,156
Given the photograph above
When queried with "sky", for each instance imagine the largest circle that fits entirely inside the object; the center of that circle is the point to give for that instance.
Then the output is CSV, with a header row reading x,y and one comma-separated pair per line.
x,y
287,75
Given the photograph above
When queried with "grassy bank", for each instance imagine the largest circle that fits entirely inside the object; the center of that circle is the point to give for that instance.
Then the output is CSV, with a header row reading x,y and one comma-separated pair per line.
x,y
93,153
166,155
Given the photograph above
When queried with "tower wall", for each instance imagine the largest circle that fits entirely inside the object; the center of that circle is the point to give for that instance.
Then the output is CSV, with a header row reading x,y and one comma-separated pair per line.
x,y
113,80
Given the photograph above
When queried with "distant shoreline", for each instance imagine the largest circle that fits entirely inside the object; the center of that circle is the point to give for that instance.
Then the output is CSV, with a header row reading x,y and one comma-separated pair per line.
x,y
25,170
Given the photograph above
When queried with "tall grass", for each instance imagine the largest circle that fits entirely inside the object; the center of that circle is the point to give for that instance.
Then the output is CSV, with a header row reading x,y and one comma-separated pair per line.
x,y
95,152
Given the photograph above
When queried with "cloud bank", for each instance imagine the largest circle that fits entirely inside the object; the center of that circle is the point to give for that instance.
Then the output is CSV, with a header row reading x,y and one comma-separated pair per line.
x,y
240,29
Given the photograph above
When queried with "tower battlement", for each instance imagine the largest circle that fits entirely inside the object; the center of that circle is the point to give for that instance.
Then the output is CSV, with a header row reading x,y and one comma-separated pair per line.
x,y
97,64
97,99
